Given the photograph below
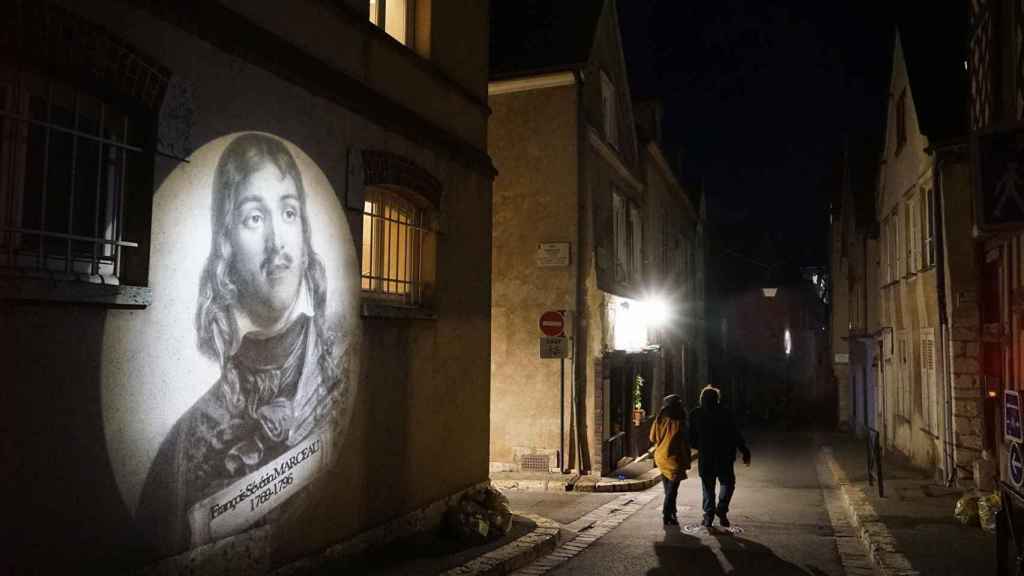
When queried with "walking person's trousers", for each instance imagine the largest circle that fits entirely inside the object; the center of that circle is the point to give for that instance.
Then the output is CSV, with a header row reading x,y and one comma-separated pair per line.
x,y
668,509
708,488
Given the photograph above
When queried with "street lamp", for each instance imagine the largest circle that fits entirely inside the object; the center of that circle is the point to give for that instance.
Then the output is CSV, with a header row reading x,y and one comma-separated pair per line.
x,y
769,292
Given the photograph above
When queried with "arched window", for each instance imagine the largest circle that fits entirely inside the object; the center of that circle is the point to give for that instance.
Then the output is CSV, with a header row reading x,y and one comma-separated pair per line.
x,y
399,239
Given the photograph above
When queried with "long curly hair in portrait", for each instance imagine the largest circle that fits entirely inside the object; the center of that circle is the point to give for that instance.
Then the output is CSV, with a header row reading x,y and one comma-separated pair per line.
x,y
216,323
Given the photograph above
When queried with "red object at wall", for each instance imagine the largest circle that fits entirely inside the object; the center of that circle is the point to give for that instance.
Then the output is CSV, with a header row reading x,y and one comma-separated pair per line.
x,y
552,323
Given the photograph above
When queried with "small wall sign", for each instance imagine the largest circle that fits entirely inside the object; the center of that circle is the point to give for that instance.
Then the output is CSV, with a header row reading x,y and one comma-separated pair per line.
x,y
554,347
553,254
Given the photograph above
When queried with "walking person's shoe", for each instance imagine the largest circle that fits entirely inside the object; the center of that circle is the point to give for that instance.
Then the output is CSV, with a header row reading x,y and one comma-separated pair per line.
x,y
709,521
724,521
670,521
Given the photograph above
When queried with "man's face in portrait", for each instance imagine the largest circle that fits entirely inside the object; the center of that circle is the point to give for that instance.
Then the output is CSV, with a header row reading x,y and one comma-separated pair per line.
x,y
268,254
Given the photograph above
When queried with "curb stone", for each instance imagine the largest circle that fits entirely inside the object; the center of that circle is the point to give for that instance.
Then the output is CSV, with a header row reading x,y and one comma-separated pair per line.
x,y
643,482
516,554
560,484
874,535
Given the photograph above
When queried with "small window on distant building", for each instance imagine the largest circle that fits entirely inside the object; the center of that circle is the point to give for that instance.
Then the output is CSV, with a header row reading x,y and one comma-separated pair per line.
x,y
610,109
901,120
636,238
619,226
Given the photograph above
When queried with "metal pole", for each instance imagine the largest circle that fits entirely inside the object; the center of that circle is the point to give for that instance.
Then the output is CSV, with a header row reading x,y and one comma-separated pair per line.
x,y
561,428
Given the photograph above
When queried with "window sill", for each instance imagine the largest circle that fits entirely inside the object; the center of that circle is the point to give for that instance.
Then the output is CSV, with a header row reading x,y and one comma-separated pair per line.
x,y
372,309
74,292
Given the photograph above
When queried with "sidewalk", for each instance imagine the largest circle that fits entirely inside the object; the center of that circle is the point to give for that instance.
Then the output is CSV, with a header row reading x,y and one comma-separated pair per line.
x,y
638,475
912,530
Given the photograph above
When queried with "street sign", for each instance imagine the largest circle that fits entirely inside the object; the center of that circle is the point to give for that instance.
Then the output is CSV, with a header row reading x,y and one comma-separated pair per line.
x,y
1011,416
999,164
554,347
552,323
1015,463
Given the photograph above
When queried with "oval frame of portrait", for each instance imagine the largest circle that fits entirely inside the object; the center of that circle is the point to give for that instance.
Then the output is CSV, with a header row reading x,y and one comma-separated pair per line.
x,y
232,392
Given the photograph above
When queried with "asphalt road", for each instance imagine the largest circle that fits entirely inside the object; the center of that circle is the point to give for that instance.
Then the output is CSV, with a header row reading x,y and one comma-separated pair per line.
x,y
779,508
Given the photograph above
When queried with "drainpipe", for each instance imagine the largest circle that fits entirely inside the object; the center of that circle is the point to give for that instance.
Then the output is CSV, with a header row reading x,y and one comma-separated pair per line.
x,y
944,340
579,354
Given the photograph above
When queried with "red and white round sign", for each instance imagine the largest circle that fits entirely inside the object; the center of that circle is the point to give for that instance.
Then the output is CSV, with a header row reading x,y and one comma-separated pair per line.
x,y
552,323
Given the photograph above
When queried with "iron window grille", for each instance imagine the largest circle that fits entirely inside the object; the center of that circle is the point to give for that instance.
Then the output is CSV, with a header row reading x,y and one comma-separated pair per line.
x,y
395,243
64,160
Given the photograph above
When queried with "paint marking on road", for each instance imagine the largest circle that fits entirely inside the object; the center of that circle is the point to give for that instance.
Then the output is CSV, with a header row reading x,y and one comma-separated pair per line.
x,y
589,529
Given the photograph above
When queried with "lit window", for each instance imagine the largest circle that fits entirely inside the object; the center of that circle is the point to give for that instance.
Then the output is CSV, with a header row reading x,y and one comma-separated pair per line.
x,y
394,17
397,248
610,109
67,162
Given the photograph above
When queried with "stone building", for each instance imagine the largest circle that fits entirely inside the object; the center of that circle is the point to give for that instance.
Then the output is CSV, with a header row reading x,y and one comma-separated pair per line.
x,y
993,356
928,399
574,201
240,292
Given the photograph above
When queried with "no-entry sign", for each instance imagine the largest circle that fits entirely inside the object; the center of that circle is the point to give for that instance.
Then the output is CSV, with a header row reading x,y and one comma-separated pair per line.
x,y
552,323
1016,465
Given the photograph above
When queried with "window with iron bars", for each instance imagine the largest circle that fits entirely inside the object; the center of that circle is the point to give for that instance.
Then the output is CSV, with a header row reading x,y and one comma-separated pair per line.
x,y
398,248
64,164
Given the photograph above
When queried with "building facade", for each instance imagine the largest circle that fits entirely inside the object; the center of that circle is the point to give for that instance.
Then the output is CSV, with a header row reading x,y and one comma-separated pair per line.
x,y
235,284
928,401
573,179
995,107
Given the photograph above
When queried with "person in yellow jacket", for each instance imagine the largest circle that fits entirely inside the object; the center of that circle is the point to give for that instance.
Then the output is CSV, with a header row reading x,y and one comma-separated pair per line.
x,y
671,452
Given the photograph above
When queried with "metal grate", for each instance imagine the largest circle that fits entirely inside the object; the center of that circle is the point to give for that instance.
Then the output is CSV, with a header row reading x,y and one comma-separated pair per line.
x,y
535,462
63,165
393,241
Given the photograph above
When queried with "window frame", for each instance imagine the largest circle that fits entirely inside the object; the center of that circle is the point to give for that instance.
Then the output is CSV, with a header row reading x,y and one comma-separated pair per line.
x,y
108,262
928,244
609,110
387,226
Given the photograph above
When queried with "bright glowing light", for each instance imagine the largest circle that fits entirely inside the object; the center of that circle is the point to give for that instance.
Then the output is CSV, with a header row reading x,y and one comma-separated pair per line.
x,y
991,393
769,292
788,342
629,328
655,311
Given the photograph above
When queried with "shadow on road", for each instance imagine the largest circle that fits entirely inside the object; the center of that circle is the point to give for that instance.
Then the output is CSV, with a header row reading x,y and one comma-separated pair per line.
x,y
681,553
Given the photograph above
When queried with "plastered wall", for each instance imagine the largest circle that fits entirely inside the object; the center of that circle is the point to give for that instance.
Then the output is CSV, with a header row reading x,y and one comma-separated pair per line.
x,y
421,387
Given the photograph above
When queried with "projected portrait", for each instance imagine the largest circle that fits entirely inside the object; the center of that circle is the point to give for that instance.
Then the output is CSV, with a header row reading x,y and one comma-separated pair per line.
x,y
261,431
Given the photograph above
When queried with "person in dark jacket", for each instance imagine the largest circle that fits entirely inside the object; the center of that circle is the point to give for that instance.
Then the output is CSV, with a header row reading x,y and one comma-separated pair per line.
x,y
714,434
671,452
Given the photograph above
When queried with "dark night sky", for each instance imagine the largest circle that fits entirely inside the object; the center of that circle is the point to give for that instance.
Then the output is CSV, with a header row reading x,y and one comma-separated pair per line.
x,y
758,98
